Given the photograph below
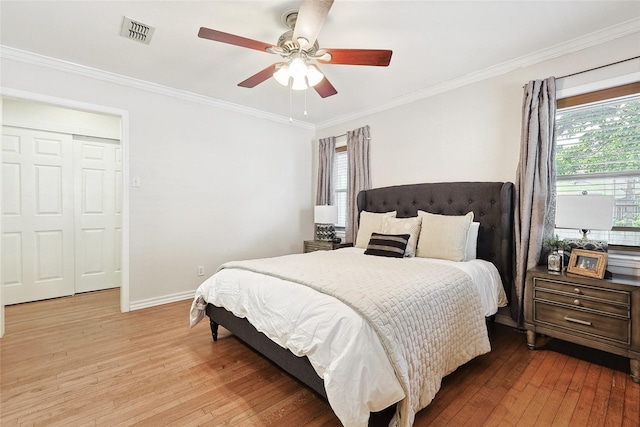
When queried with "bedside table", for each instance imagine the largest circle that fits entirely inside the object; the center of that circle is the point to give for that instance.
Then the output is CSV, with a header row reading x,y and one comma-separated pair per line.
x,y
602,314
321,245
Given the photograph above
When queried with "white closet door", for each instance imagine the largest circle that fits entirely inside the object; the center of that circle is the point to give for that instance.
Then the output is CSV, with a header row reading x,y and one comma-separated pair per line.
x,y
98,177
37,215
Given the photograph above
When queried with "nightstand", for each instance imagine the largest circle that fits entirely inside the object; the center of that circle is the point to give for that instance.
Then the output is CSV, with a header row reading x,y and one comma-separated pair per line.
x,y
321,245
602,314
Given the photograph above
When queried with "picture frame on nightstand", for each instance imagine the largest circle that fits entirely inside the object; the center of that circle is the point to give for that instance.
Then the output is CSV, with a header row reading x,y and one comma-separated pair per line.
x,y
587,263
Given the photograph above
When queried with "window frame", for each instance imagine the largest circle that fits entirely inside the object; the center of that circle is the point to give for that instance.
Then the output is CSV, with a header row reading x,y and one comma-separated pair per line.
x,y
603,95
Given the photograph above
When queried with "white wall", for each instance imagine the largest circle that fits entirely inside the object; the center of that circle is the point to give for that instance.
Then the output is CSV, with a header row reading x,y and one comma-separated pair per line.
x,y
473,132
216,184
36,115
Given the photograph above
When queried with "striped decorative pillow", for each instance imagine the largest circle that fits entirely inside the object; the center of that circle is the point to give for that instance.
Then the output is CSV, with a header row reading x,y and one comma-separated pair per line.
x,y
389,245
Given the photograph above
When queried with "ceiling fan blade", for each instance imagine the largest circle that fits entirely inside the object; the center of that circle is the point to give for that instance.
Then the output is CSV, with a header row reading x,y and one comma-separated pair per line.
x,y
325,88
260,76
375,57
309,22
219,36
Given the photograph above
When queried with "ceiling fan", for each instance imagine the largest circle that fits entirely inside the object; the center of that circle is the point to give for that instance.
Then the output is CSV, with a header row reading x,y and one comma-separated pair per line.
x,y
300,51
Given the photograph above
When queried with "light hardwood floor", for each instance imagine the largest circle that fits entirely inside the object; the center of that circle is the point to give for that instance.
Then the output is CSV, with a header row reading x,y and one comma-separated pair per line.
x,y
79,361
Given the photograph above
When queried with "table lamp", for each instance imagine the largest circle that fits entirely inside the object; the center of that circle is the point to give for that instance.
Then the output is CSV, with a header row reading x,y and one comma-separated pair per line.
x,y
325,217
584,213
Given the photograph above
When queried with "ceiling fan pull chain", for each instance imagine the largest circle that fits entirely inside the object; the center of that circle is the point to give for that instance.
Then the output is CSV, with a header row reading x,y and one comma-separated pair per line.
x,y
305,101
290,114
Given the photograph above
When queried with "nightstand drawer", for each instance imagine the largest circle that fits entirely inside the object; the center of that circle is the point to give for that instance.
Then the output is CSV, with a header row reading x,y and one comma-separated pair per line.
x,y
604,306
583,290
587,322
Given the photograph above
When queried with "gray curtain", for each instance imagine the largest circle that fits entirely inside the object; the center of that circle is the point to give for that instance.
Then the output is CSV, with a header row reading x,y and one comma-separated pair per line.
x,y
326,153
535,184
359,177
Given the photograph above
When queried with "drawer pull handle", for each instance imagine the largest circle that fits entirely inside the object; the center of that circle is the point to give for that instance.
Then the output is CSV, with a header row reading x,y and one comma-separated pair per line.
x,y
576,301
581,322
577,291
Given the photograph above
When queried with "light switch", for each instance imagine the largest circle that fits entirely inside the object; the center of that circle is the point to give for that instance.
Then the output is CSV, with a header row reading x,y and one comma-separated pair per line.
x,y
135,181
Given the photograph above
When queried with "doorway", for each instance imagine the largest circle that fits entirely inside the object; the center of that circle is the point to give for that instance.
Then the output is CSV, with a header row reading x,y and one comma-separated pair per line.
x,y
75,158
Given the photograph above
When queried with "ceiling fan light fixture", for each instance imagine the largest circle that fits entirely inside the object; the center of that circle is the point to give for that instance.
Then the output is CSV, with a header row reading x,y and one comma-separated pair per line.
x,y
282,75
299,83
299,50
297,67
314,76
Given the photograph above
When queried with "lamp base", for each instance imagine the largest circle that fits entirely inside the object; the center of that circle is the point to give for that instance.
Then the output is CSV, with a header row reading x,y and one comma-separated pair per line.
x,y
325,232
589,245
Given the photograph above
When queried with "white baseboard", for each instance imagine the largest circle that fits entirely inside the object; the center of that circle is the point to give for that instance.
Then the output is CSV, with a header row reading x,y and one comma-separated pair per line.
x,y
166,299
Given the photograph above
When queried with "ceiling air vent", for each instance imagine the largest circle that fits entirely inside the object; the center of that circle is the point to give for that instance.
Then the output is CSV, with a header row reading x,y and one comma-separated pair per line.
x,y
137,31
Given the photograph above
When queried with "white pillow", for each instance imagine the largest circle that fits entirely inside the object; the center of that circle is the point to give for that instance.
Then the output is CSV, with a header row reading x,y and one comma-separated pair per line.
x,y
410,226
443,236
471,251
370,223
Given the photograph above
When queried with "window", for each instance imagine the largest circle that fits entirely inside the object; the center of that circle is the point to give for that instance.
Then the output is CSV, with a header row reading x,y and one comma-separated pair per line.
x,y
340,166
598,152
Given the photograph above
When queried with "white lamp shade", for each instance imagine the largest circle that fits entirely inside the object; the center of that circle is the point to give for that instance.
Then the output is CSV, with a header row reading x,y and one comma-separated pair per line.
x,y
314,76
325,214
299,83
584,212
282,75
297,68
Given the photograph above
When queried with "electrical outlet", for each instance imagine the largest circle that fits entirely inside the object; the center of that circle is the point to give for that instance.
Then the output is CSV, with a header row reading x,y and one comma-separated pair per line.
x,y
201,270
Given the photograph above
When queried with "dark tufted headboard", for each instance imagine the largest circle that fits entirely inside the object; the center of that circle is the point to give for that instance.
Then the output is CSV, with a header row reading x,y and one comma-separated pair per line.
x,y
491,203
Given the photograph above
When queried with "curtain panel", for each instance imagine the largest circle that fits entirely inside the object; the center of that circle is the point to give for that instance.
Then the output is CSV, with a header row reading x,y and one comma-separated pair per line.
x,y
359,175
326,154
535,184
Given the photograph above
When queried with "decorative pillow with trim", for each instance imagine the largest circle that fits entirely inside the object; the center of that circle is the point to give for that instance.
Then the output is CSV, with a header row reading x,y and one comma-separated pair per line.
x,y
389,245
370,222
410,226
443,236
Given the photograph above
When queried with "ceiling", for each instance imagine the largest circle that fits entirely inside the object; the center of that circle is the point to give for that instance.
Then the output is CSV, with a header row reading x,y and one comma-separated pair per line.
x,y
434,43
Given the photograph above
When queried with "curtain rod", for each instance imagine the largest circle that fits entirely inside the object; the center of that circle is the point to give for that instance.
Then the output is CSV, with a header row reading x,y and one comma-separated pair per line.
x,y
597,68
344,134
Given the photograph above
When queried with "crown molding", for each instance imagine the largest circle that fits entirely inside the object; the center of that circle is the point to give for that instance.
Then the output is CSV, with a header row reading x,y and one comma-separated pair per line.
x,y
31,58
577,44
611,33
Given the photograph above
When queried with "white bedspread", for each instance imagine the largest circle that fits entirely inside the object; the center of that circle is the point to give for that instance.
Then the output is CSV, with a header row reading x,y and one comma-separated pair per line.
x,y
352,355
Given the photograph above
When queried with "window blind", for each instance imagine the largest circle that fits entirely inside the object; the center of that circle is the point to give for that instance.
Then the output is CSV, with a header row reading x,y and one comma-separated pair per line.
x,y
598,152
340,186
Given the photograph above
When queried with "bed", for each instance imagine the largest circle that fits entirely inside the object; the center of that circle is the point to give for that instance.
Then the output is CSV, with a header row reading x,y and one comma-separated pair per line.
x,y
446,343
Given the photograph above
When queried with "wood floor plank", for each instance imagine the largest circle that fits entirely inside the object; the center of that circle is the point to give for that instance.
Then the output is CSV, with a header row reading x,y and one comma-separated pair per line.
x,y
532,412
518,406
587,394
615,407
565,377
78,361
598,411
547,365
579,376
631,413
567,407
548,414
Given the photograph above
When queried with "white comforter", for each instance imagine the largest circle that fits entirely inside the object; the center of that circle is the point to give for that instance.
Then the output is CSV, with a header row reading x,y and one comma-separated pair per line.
x,y
345,350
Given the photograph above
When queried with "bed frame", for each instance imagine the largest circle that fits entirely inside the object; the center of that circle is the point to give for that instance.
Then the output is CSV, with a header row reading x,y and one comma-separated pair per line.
x,y
492,205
